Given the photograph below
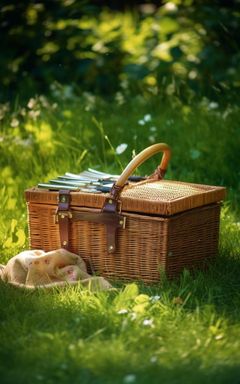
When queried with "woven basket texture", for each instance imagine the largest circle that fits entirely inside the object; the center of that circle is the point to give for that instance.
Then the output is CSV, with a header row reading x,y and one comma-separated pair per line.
x,y
148,245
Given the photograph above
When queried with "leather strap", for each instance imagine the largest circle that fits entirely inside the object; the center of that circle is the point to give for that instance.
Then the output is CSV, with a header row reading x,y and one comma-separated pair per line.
x,y
116,190
110,219
63,215
111,202
64,200
110,205
158,174
113,221
99,217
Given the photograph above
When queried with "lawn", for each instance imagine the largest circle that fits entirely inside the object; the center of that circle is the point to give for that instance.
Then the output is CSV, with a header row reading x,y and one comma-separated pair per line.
x,y
182,331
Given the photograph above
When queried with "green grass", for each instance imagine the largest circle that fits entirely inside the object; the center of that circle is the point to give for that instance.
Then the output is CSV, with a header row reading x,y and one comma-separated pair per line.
x,y
73,335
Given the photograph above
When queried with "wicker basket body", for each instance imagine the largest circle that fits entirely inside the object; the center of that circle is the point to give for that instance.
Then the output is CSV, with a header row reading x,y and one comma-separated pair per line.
x,y
169,226
148,245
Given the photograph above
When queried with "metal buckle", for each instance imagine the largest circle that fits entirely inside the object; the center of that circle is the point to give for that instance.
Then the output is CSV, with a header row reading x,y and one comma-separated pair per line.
x,y
119,202
123,220
61,215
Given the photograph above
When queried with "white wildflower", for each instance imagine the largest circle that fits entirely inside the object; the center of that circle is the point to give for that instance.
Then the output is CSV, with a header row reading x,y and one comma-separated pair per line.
x,y
219,337
192,58
119,98
141,122
44,101
169,122
153,359
155,298
68,92
195,154
4,108
122,311
23,111
147,118
153,129
131,378
226,113
31,104
148,322
213,105
151,139
170,7
14,123
133,316
192,75
27,142
121,148
34,114
88,108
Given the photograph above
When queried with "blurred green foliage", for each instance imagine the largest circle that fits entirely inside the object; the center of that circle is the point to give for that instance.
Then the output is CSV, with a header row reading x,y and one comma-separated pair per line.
x,y
182,47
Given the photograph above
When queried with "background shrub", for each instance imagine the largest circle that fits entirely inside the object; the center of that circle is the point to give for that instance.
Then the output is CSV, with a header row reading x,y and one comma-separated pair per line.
x,y
182,47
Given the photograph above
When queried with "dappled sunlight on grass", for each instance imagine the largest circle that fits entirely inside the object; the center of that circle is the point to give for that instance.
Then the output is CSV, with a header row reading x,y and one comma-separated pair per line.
x,y
173,329
43,136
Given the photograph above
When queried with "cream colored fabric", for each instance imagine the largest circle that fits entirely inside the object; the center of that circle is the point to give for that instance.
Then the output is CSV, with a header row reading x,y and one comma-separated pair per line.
x,y
39,269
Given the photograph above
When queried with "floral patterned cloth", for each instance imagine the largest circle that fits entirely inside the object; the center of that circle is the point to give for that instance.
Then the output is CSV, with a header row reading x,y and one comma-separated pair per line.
x,y
36,268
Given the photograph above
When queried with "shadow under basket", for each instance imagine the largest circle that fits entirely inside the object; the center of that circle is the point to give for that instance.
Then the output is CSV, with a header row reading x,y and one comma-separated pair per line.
x,y
159,225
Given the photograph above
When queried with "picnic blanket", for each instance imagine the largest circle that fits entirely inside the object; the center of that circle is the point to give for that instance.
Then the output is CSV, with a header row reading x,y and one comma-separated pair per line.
x,y
38,269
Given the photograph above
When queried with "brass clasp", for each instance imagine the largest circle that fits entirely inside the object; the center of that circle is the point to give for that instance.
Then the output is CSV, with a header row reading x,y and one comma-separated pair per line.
x,y
61,215
122,222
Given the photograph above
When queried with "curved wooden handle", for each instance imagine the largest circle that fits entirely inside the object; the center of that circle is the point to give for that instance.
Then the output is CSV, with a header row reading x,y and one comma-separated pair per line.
x,y
142,157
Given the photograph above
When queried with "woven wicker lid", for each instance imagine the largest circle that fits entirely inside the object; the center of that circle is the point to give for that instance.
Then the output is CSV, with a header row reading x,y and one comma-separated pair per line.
x,y
163,197
167,197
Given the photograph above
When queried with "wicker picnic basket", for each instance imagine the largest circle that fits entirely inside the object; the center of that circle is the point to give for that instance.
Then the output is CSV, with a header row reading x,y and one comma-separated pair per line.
x,y
135,231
